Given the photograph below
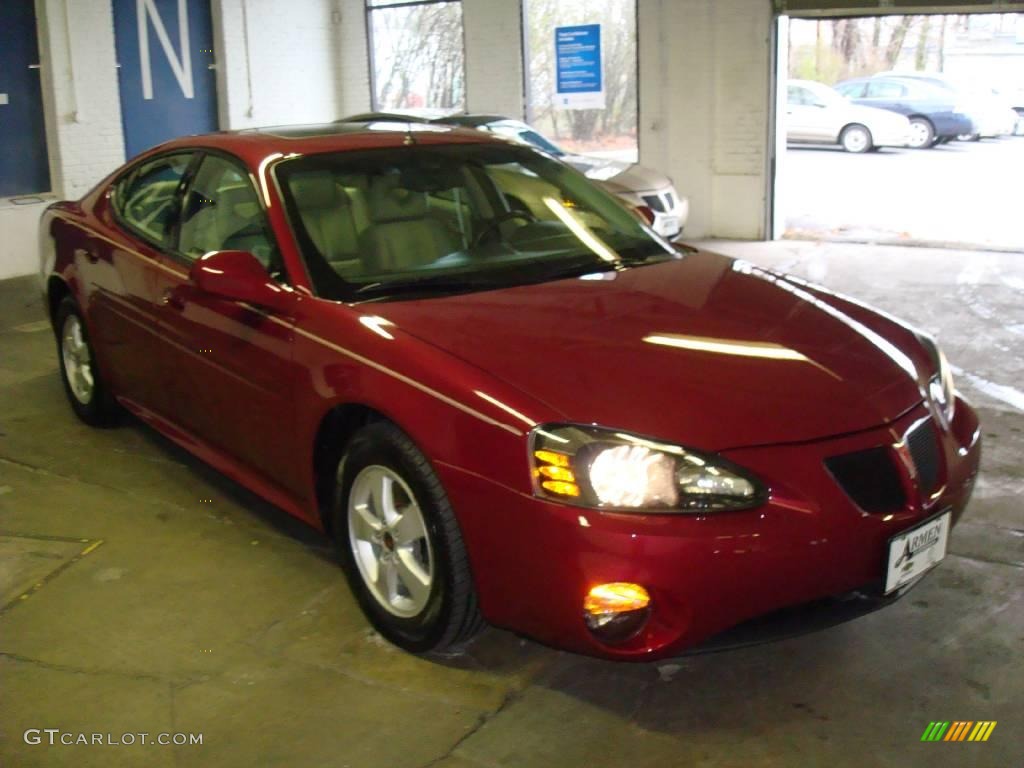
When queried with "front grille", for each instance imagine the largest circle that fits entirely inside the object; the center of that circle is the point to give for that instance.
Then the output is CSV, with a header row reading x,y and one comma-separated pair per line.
x,y
870,478
654,203
923,444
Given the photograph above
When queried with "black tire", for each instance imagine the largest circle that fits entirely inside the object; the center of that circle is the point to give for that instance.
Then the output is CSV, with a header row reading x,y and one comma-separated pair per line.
x,y
925,132
451,616
856,138
98,409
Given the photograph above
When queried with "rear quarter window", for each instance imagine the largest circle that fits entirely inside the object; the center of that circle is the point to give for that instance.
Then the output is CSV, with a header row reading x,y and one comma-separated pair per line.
x,y
145,199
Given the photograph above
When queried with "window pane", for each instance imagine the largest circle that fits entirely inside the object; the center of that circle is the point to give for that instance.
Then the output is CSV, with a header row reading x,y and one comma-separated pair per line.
x,y
609,132
222,213
418,58
145,199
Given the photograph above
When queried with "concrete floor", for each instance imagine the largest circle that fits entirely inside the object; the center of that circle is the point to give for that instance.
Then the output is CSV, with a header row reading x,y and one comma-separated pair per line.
x,y
165,599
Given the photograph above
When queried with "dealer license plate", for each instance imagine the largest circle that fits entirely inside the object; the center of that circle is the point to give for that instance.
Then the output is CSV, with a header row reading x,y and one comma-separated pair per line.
x,y
913,552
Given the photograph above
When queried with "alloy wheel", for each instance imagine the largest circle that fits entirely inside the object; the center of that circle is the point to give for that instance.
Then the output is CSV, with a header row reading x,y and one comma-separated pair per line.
x,y
390,542
77,360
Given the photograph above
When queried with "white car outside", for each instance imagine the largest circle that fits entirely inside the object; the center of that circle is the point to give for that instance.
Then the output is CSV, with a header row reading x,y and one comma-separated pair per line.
x,y
817,114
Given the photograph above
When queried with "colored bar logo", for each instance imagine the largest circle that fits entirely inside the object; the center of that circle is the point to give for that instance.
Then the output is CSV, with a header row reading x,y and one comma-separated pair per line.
x,y
959,730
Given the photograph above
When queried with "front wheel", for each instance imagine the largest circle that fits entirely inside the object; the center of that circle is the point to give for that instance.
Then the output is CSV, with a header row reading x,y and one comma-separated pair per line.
x,y
400,543
86,391
856,139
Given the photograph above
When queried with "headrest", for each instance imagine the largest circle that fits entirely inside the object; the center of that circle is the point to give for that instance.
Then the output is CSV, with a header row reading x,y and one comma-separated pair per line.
x,y
317,190
391,202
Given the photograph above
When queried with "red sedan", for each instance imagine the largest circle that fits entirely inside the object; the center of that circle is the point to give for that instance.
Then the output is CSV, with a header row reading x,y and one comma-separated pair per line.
x,y
504,396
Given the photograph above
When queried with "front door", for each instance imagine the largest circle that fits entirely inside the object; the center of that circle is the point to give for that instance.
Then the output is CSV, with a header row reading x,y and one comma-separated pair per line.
x,y
24,166
120,274
229,368
165,66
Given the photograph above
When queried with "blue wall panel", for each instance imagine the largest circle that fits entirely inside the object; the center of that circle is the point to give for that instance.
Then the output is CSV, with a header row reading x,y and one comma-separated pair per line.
x,y
167,86
24,167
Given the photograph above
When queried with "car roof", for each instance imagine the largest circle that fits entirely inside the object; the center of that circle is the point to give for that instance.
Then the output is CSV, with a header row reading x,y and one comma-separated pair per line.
x,y
475,120
255,145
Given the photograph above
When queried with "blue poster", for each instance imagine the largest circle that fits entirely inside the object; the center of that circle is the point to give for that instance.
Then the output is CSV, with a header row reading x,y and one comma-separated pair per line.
x,y
578,78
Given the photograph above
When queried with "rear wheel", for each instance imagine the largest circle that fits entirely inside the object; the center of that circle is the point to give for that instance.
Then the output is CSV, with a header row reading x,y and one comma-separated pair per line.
x,y
922,133
86,391
401,545
856,139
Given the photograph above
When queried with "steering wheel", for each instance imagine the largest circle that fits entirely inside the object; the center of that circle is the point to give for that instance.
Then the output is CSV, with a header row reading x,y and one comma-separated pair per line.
x,y
501,218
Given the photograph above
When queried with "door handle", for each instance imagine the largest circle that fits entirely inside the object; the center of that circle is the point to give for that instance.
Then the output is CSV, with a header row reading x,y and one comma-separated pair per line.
x,y
171,298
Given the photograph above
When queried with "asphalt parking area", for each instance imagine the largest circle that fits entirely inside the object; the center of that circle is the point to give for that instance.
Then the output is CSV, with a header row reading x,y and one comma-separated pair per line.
x,y
200,609
964,194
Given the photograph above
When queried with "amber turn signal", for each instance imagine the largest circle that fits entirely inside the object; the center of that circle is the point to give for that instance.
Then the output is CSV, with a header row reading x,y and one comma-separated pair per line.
x,y
558,473
561,488
550,457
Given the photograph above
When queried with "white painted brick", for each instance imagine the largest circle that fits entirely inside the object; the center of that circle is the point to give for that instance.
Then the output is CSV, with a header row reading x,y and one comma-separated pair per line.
x,y
80,90
494,62
705,71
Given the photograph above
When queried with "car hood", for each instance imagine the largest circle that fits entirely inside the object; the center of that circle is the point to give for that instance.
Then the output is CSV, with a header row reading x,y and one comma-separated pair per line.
x,y
704,350
617,175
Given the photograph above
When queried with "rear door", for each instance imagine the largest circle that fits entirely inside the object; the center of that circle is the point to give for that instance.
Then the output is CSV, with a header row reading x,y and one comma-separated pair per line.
x,y
229,367
886,94
809,119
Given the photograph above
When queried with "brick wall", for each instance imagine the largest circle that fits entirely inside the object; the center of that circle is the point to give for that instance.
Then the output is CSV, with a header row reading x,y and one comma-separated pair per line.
x,y
278,61
80,92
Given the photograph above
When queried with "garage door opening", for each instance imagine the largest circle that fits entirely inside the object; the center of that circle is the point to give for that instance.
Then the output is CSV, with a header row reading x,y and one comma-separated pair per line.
x,y
902,129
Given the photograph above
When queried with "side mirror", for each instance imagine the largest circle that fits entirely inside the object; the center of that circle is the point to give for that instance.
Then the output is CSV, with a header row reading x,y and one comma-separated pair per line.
x,y
239,276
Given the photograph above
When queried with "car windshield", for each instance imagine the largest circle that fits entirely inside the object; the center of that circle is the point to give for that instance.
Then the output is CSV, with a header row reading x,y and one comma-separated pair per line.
x,y
427,220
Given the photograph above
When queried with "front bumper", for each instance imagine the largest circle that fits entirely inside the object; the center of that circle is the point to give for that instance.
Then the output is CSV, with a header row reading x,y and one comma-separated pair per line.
x,y
533,560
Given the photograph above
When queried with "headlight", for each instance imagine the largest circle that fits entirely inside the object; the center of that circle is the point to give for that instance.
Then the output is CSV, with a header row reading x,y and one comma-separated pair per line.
x,y
603,469
941,390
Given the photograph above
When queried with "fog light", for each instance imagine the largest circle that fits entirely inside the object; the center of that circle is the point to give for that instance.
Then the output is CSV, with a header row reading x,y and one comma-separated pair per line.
x,y
616,612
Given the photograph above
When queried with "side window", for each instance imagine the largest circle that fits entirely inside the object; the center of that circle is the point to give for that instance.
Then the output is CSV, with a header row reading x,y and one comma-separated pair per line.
x,y
144,199
223,213
852,90
795,94
884,90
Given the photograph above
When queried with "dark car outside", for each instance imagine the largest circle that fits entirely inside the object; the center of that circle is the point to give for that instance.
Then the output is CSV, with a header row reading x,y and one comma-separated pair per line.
x,y
935,117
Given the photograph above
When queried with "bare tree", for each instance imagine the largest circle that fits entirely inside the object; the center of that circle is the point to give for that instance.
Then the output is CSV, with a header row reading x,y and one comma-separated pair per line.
x,y
418,56
896,40
921,56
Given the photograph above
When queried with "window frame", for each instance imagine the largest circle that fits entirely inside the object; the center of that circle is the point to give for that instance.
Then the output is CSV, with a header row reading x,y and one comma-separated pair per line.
x,y
170,236
369,6
279,271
